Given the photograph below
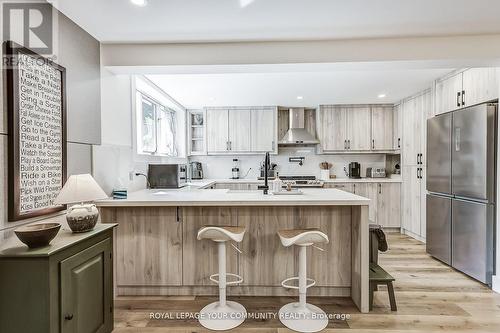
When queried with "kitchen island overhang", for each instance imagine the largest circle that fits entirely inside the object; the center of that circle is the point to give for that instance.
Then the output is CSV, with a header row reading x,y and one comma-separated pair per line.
x,y
157,253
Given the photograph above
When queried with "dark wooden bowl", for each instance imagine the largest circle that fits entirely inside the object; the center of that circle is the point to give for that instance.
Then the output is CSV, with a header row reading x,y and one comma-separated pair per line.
x,y
37,235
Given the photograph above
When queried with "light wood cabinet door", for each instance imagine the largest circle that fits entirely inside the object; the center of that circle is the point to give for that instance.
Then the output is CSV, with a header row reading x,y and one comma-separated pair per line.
x,y
217,130
382,127
333,128
202,255
448,94
359,128
412,129
156,232
262,247
239,130
397,127
370,191
263,129
480,85
389,205
411,199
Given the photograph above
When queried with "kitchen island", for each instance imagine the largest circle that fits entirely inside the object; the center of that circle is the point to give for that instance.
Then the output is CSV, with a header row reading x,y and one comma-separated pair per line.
x,y
157,253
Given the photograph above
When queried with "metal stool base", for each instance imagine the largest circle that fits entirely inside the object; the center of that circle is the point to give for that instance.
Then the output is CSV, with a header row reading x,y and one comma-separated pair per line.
x,y
303,319
221,318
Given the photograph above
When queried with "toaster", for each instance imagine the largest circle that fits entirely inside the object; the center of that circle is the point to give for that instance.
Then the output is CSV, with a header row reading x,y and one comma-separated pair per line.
x,y
375,172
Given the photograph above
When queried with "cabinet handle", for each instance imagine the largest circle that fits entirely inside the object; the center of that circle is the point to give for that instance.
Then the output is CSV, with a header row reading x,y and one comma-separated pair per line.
x,y
68,316
345,144
399,142
273,146
373,143
463,97
458,98
348,144
379,188
178,215
354,188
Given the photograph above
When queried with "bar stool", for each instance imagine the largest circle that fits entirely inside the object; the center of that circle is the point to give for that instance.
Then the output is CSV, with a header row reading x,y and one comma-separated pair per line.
x,y
302,316
222,315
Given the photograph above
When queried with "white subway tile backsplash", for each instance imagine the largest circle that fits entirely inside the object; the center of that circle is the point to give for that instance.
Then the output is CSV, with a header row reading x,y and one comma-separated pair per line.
x,y
217,167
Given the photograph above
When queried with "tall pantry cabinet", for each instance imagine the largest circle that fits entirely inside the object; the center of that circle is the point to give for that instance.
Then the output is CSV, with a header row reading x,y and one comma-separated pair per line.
x,y
414,112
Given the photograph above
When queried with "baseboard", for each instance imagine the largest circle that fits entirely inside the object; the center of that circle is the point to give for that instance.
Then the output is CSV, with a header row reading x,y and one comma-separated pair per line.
x,y
413,235
495,283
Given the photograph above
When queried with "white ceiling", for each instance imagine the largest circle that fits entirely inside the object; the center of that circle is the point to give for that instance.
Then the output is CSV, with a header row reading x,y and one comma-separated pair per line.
x,y
282,88
243,20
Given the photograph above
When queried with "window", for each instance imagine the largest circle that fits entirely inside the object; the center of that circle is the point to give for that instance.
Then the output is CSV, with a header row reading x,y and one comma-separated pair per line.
x,y
157,128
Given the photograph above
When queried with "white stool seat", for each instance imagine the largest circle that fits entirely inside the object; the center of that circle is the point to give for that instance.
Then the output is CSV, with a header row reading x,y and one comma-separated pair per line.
x,y
221,233
301,316
222,315
302,237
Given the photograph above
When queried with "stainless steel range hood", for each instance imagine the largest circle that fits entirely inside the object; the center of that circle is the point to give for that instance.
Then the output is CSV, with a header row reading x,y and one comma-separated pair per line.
x,y
297,134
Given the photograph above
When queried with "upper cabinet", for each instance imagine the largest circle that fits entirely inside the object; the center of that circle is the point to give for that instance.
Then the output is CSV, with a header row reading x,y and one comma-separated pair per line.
x,y
333,133
448,92
382,127
480,85
240,130
263,130
356,127
470,87
217,130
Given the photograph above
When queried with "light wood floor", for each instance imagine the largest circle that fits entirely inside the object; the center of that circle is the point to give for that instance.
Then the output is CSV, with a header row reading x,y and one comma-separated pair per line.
x,y
431,297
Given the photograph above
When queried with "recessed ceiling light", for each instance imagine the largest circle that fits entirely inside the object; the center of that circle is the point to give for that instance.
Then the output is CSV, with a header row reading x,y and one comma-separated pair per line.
x,y
381,96
300,97
140,3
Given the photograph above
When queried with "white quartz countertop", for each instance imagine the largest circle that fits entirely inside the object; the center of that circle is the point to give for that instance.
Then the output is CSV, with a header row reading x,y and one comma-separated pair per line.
x,y
195,196
209,182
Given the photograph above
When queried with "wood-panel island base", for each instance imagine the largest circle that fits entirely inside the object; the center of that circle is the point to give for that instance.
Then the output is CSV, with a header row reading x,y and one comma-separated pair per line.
x,y
157,253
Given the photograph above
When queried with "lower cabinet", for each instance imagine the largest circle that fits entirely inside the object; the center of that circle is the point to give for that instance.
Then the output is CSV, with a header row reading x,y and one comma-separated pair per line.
x,y
389,205
153,230
370,191
385,205
65,288
86,279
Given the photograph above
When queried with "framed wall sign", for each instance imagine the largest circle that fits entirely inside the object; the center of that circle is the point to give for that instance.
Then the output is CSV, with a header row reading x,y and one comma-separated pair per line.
x,y
35,92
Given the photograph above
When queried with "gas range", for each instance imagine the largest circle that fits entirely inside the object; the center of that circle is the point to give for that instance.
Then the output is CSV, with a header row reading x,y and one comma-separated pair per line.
x,y
302,181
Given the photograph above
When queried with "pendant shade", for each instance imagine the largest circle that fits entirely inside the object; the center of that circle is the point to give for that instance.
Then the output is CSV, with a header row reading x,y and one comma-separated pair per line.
x,y
80,188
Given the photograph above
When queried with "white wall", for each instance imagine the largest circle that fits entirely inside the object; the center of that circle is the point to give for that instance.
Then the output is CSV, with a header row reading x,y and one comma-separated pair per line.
x,y
116,159
219,167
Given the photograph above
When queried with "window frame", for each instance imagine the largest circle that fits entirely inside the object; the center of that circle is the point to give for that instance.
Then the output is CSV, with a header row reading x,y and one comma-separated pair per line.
x,y
158,109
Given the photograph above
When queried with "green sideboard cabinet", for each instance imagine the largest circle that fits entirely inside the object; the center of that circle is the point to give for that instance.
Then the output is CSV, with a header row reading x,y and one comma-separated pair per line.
x,y
66,287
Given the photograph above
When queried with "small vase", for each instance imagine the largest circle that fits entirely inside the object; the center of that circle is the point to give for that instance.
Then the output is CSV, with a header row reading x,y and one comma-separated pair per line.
x,y
82,218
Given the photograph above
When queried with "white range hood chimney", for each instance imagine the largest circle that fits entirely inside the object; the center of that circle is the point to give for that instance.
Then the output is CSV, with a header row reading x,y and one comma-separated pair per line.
x,y
297,134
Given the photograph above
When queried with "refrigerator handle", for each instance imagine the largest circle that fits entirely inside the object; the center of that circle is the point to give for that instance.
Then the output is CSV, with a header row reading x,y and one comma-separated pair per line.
x,y
457,138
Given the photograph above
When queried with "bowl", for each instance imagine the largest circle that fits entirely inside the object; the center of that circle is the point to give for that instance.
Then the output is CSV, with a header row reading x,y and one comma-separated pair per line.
x,y
37,235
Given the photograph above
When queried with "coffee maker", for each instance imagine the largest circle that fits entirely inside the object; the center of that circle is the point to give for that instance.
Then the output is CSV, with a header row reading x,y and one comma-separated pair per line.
x,y
354,170
196,170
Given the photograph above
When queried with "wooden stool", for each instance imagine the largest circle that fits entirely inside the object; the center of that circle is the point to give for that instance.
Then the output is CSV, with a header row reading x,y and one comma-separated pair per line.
x,y
379,276
222,315
302,316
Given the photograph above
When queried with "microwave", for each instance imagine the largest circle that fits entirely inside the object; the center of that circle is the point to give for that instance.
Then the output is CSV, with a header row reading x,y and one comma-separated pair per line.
x,y
167,175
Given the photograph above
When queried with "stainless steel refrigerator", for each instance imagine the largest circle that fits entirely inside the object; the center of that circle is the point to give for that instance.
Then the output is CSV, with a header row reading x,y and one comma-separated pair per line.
x,y
461,183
